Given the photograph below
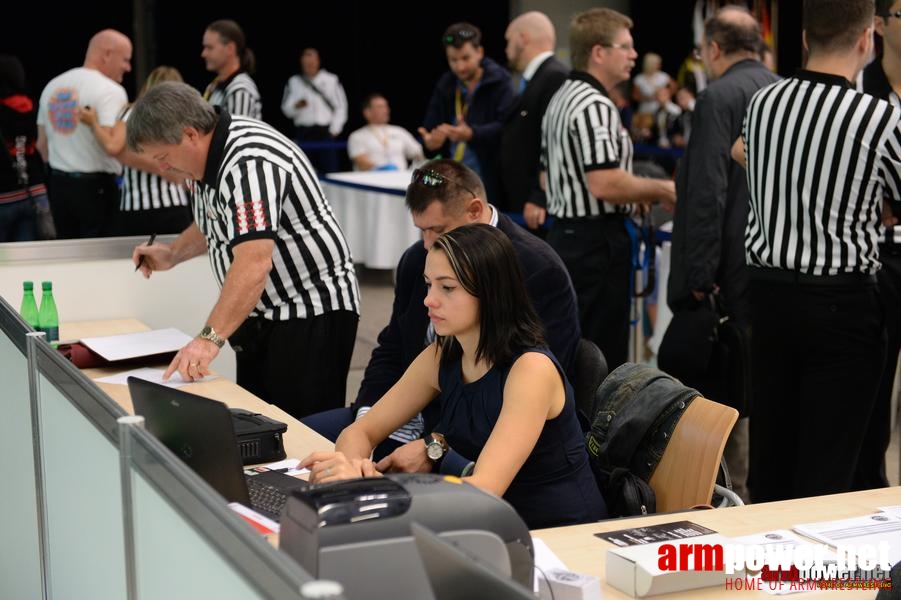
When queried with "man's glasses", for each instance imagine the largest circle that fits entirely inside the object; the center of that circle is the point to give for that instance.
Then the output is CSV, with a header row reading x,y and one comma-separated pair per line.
x,y
896,14
458,38
626,47
433,179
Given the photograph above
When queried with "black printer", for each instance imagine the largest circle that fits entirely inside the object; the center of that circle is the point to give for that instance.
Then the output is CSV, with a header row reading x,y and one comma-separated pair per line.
x,y
357,532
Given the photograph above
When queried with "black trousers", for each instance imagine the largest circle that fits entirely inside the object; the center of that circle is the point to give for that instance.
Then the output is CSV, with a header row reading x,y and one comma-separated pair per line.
x,y
171,219
597,254
300,365
817,356
84,205
879,431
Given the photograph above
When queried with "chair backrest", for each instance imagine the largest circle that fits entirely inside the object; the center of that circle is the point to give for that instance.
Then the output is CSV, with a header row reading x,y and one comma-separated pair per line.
x,y
687,471
590,371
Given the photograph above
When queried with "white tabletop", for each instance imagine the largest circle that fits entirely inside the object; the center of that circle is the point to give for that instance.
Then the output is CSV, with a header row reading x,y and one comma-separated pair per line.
x,y
373,215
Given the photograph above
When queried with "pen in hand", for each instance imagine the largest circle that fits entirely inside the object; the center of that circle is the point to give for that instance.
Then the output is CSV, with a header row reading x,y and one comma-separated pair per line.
x,y
149,243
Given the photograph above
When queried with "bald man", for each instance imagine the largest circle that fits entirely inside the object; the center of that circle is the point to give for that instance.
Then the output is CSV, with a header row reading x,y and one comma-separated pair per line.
x,y
530,52
84,196
708,252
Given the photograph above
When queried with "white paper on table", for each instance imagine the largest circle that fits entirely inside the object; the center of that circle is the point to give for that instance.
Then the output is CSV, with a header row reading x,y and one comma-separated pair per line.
x,y
134,345
892,510
287,466
869,529
777,537
545,560
153,376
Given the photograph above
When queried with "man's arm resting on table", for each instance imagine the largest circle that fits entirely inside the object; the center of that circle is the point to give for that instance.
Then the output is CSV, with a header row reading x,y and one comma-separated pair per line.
x,y
241,290
412,458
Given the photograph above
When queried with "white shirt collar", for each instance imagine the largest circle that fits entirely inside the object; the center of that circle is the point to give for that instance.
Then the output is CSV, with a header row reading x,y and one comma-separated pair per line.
x,y
535,63
493,221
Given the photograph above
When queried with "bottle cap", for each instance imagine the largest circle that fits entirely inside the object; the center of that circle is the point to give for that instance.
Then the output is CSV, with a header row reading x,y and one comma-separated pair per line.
x,y
27,285
46,285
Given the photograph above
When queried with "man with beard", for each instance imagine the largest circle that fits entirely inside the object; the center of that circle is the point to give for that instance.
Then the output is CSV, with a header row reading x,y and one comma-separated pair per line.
x,y
468,106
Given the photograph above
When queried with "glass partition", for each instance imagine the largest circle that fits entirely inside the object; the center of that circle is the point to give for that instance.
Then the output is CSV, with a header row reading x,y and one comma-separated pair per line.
x,y
186,541
20,559
83,500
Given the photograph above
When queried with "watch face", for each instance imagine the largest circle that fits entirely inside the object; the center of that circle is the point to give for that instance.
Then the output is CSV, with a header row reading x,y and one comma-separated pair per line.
x,y
434,450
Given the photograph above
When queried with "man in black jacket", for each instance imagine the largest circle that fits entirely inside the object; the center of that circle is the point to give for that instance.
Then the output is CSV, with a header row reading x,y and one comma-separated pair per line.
x,y
882,78
445,195
466,111
708,252
530,52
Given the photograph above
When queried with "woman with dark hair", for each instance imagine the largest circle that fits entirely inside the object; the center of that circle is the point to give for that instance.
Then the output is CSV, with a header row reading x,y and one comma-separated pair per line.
x,y
22,190
503,397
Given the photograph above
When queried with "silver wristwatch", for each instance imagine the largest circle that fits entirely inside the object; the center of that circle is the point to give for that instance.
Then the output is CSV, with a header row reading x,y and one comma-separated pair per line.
x,y
208,333
435,447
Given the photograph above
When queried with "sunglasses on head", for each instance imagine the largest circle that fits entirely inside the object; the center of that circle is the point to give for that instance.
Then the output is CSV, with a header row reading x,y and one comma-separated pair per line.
x,y
459,37
433,179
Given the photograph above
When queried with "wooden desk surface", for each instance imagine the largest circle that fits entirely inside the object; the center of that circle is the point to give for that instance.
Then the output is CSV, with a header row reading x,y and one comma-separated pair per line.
x,y
576,546
582,552
299,440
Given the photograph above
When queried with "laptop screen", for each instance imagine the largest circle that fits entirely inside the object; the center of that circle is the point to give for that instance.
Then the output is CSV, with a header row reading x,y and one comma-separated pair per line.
x,y
197,430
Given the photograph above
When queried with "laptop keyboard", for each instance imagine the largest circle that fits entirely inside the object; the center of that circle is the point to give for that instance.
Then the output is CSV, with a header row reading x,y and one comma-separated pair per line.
x,y
265,498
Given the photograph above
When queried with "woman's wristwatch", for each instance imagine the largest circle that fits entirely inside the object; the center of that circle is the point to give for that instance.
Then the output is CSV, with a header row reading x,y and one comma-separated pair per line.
x,y
435,447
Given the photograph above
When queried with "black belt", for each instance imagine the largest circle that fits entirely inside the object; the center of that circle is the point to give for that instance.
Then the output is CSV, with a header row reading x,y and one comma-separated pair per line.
x,y
787,276
77,175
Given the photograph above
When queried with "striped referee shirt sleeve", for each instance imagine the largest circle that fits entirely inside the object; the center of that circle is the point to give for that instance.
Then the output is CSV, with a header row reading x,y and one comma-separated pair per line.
x,y
242,102
890,164
254,191
594,129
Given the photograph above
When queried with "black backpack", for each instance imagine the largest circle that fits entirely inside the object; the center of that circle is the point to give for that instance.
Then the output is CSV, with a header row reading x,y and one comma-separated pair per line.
x,y
633,416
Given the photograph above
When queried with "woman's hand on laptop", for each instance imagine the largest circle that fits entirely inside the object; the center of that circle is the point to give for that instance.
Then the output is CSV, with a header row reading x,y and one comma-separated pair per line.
x,y
326,467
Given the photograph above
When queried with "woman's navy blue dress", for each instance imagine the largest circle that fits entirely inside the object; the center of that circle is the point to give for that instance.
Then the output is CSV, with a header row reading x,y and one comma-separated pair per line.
x,y
555,486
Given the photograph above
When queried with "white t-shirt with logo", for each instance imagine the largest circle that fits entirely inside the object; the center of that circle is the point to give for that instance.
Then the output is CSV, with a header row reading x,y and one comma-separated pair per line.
x,y
72,145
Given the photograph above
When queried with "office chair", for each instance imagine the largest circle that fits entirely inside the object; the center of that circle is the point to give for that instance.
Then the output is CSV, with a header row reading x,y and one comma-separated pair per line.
x,y
686,473
590,371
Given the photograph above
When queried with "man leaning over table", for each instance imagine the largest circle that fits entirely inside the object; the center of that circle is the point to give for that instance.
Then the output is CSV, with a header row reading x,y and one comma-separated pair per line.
x,y
289,300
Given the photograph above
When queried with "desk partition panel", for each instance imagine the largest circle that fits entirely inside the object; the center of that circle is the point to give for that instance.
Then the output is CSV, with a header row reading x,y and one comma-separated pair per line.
x,y
20,557
185,541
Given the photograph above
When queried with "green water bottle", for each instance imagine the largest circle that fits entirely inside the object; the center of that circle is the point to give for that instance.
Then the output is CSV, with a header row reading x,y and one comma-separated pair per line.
x,y
48,318
29,309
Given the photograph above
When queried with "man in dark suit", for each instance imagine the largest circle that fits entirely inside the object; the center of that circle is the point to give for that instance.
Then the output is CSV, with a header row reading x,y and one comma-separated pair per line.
x,y
444,195
530,52
708,252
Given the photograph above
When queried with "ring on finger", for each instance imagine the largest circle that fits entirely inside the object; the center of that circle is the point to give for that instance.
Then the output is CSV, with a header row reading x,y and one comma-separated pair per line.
x,y
328,471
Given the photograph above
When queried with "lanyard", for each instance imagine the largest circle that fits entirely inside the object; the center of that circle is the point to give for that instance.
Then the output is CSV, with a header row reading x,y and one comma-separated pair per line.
x,y
460,108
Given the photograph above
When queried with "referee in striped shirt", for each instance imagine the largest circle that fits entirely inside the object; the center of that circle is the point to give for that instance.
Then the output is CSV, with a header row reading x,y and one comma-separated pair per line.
x,y
226,53
289,302
587,155
821,158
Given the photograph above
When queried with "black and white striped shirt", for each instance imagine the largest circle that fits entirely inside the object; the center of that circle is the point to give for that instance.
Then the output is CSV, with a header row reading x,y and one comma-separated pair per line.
x,y
238,95
821,158
147,191
258,184
873,80
582,131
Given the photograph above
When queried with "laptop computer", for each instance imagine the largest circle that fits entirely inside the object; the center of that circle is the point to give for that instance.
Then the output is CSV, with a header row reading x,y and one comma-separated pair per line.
x,y
200,431
455,574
